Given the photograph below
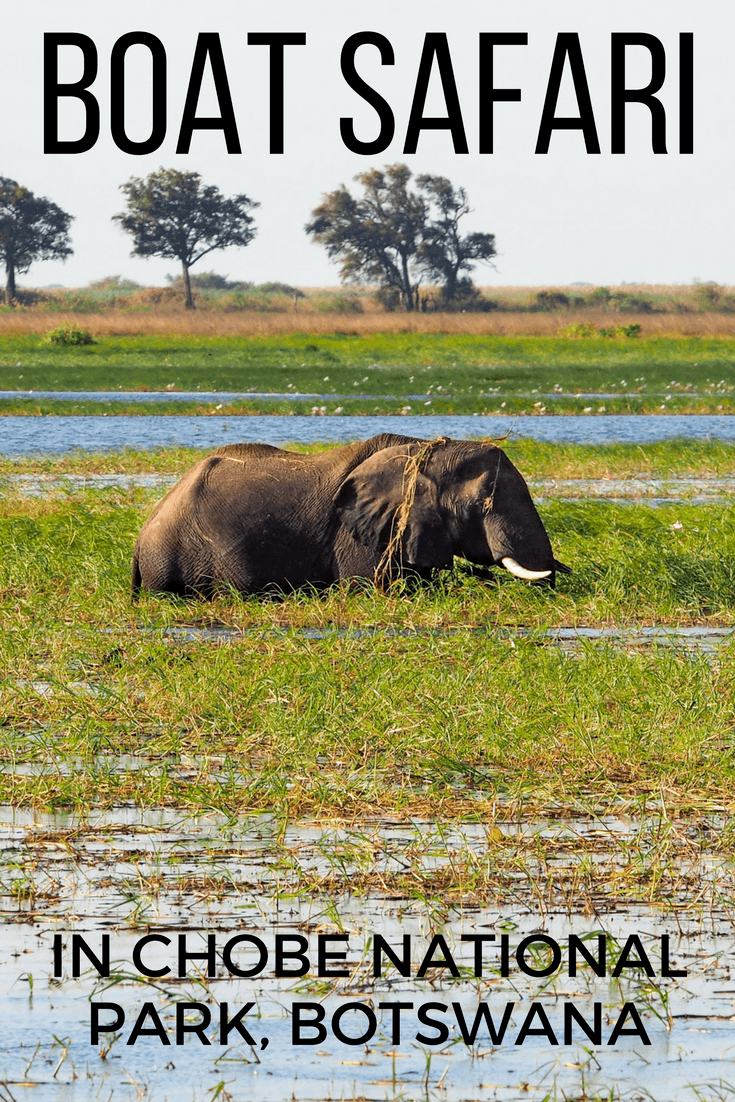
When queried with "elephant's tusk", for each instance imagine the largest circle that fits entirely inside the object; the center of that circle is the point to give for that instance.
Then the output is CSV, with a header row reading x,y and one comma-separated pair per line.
x,y
519,571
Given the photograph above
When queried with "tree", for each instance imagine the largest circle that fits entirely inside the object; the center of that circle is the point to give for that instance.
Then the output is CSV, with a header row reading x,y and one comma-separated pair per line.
x,y
173,215
376,237
395,237
443,253
30,229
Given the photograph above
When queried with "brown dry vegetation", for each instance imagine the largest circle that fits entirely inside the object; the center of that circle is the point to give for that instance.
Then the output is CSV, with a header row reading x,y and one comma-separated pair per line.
x,y
215,323
160,311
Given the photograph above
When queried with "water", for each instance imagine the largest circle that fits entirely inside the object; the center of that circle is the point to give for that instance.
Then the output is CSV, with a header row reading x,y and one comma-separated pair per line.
x,y
652,491
707,640
26,435
125,874
129,873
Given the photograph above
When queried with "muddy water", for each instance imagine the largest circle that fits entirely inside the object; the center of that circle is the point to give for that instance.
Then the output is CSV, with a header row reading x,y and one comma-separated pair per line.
x,y
128,874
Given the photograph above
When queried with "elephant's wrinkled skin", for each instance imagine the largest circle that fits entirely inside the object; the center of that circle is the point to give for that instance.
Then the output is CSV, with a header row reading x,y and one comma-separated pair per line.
x,y
255,517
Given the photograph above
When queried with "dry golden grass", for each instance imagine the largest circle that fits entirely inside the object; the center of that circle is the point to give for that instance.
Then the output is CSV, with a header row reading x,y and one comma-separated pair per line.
x,y
680,291
165,316
215,323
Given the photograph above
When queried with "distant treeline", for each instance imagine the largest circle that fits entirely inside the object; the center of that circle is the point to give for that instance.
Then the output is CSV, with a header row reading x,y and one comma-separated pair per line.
x,y
217,292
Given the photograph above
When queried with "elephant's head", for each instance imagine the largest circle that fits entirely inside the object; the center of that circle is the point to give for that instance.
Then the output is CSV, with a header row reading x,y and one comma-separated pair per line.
x,y
425,502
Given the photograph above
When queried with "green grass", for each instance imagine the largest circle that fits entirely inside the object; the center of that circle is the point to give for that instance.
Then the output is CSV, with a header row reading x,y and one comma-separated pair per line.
x,y
534,458
472,369
428,704
351,728
413,721
456,403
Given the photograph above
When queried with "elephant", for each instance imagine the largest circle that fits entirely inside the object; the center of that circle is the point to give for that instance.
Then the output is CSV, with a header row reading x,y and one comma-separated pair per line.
x,y
253,518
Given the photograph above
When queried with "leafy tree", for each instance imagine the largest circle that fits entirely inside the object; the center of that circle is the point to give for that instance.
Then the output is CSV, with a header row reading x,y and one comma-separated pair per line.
x,y
30,229
444,254
173,215
376,237
114,283
395,237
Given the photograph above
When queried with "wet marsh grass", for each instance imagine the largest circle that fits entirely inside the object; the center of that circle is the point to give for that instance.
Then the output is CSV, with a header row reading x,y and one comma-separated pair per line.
x,y
551,866
556,782
713,401
411,703
432,372
535,459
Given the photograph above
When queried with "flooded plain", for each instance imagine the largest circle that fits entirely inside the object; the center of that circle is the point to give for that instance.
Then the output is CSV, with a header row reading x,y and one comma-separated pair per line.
x,y
495,1013
143,881
706,640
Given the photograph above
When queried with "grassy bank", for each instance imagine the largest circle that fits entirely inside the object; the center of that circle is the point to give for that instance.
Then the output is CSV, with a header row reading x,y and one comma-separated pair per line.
x,y
534,458
429,372
455,403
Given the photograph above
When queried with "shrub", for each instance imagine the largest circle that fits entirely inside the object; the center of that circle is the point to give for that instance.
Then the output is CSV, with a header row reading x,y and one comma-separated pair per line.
x,y
279,289
629,304
467,299
27,297
113,283
251,300
599,297
550,300
708,296
389,298
712,297
69,334
580,329
207,281
336,304
69,301
149,296
621,331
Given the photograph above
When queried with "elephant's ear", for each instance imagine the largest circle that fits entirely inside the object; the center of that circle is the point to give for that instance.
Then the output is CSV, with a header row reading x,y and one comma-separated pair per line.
x,y
385,493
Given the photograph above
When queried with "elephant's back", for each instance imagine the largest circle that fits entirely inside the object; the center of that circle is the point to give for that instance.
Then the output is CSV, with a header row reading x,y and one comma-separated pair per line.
x,y
246,451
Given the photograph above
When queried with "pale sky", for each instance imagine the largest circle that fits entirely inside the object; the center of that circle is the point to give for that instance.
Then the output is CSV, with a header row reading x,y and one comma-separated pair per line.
x,y
558,218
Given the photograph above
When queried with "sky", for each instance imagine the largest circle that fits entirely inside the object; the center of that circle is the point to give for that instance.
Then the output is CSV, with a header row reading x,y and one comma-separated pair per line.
x,y
562,217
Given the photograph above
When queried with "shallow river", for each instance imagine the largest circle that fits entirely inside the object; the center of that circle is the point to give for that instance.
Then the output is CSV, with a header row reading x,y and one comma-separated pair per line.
x,y
51,433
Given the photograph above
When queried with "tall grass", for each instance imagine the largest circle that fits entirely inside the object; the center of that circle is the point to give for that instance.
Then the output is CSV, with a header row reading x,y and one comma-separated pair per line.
x,y
204,323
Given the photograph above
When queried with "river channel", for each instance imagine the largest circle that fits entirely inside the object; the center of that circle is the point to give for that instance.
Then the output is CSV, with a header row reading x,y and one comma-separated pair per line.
x,y
51,433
